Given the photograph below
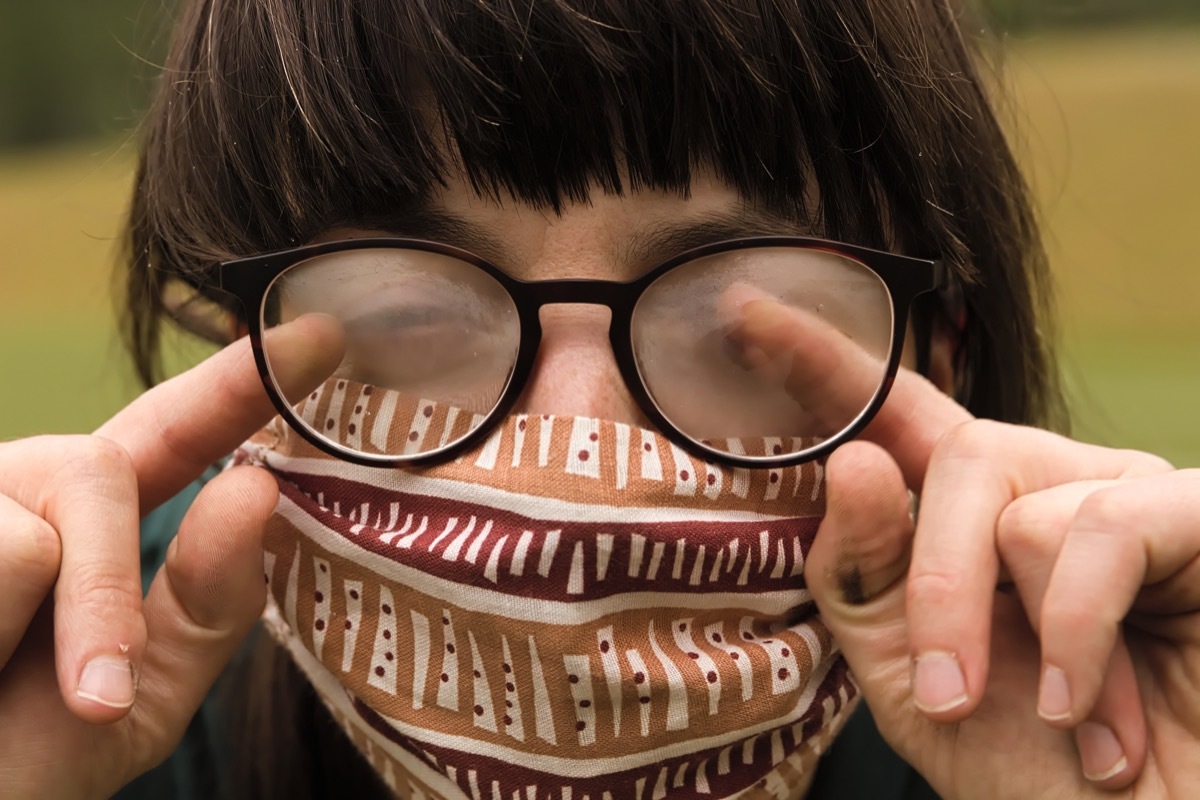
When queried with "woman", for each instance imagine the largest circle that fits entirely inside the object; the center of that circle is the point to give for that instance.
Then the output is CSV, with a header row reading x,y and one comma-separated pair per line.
x,y
450,152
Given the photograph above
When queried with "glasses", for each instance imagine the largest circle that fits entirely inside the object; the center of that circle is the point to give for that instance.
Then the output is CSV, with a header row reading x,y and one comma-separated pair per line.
x,y
758,352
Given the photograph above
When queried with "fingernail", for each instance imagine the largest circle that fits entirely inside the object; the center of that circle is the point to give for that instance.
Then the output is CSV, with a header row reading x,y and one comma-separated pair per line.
x,y
1054,696
107,680
938,682
1100,752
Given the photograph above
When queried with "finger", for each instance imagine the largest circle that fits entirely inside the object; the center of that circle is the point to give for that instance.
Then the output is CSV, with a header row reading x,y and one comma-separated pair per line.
x,y
85,489
99,633
831,377
911,421
203,601
856,567
976,471
1030,537
178,429
1173,583
1129,535
29,560
1112,741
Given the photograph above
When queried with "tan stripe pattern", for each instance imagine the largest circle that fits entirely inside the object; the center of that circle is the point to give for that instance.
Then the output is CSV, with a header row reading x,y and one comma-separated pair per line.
x,y
574,609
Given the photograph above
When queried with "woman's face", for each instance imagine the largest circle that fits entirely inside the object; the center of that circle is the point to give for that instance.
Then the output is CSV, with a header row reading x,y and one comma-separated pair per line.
x,y
612,238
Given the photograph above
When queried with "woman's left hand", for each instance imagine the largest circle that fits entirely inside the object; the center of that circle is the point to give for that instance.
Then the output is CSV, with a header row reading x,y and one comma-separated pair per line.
x,y
1038,633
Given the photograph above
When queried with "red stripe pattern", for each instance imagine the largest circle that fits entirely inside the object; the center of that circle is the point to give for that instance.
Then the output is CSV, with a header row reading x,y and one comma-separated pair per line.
x,y
577,609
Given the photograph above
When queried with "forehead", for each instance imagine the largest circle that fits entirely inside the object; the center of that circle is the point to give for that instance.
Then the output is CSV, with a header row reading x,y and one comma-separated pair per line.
x,y
609,235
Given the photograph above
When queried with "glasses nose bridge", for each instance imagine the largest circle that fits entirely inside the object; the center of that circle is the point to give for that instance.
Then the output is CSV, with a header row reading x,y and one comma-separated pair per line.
x,y
618,297
583,291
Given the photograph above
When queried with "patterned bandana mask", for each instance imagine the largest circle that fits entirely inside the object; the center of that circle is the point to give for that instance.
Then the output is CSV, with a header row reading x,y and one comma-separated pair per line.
x,y
575,610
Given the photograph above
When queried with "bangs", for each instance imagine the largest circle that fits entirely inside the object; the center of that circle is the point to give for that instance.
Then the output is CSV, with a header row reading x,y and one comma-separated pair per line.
x,y
864,121
284,118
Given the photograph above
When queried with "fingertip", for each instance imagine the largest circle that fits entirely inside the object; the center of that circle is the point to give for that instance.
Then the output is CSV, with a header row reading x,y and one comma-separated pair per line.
x,y
939,686
254,490
235,502
864,471
215,562
99,684
1054,697
304,352
315,329
1103,758
731,302
107,687
1112,738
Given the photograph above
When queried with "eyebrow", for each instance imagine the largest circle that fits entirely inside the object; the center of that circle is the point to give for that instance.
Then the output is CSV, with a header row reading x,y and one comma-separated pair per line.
x,y
436,225
650,246
643,249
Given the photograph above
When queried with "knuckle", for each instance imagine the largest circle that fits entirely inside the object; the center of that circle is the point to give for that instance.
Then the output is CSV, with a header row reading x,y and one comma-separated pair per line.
x,y
172,431
1145,464
1102,512
1063,617
971,440
932,588
97,458
32,548
1027,527
102,592
93,467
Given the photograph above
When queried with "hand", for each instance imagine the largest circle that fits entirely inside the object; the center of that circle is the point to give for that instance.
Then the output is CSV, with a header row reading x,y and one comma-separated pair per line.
x,y
1059,579
1034,635
97,685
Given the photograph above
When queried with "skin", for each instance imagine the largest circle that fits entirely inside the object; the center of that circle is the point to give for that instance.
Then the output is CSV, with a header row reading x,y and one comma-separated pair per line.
x,y
1031,551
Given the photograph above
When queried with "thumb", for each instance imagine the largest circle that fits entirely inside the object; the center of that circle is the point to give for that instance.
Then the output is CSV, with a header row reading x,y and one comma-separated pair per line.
x,y
203,602
856,567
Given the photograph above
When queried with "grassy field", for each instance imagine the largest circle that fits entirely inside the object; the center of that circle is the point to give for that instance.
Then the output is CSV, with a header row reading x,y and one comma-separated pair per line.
x,y
1107,123
1108,126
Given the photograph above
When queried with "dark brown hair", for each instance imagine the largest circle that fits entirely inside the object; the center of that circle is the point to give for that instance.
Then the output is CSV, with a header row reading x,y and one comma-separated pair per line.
x,y
276,120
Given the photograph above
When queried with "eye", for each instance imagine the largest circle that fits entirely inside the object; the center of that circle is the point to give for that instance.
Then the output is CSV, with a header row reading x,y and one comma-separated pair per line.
x,y
400,323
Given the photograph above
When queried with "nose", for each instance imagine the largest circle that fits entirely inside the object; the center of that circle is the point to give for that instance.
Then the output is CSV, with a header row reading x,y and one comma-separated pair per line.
x,y
575,373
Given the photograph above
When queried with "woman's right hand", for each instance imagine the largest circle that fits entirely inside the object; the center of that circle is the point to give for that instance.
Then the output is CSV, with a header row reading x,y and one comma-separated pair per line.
x,y
97,683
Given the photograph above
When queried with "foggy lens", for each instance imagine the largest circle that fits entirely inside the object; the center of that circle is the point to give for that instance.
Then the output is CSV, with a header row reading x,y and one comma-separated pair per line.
x,y
430,345
764,351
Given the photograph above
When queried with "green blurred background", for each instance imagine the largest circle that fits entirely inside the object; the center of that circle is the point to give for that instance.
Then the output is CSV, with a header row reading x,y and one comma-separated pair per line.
x,y
1102,98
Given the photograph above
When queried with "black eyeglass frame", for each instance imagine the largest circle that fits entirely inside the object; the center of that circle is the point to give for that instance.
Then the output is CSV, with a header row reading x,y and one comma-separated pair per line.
x,y
905,278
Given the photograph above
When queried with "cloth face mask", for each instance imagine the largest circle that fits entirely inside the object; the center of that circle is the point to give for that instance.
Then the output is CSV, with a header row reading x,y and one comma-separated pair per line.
x,y
577,609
